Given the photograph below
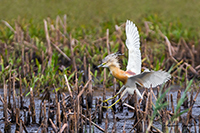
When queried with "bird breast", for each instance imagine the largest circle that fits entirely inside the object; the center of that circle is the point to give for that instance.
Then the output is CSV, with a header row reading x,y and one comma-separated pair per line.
x,y
119,74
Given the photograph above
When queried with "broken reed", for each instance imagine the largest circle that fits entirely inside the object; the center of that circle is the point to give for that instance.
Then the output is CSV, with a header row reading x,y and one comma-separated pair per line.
x,y
59,48
72,116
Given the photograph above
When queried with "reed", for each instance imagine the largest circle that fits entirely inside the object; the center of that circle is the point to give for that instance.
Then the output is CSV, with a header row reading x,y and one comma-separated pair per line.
x,y
67,62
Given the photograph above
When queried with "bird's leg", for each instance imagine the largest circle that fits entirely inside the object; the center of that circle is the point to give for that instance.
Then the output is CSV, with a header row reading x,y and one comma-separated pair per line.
x,y
121,89
124,92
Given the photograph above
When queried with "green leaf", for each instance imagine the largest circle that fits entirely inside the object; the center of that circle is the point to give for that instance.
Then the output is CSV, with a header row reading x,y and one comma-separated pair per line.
x,y
70,76
27,94
183,97
95,73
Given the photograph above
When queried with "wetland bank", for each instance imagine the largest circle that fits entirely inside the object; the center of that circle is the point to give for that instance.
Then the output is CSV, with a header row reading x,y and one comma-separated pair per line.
x,y
50,81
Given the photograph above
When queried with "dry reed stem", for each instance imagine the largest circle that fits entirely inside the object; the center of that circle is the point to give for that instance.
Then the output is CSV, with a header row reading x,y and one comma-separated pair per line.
x,y
140,100
48,42
58,115
39,128
8,25
114,93
197,67
32,105
23,70
172,103
177,121
76,88
188,49
106,123
124,127
170,48
89,95
9,90
57,30
45,124
59,50
75,121
104,87
93,123
72,43
137,110
85,68
90,120
100,113
164,120
32,46
5,106
17,118
14,102
7,127
146,110
107,41
69,88
100,40
53,126
149,112
191,105
114,123
21,94
81,92
24,127
195,128
148,30
191,68
156,129
20,127
65,27
63,128
1,99
129,106
78,113
90,79
155,99
136,124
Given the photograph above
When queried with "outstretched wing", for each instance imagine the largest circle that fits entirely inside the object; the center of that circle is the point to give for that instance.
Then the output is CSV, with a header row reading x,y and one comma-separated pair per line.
x,y
147,79
133,45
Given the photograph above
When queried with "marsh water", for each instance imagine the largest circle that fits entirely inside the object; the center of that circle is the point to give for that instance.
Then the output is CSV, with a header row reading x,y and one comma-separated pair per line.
x,y
124,118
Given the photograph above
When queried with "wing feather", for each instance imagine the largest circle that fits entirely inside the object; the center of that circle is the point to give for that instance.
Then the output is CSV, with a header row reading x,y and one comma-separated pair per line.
x,y
133,45
147,79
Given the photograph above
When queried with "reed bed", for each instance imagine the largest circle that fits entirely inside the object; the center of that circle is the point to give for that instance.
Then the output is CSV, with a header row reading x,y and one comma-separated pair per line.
x,y
64,65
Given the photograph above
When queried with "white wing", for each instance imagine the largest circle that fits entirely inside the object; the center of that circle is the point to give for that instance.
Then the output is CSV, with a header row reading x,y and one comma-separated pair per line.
x,y
133,45
147,79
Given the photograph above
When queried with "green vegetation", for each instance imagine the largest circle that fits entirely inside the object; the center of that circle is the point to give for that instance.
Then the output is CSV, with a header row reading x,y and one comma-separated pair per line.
x,y
84,35
182,15
39,44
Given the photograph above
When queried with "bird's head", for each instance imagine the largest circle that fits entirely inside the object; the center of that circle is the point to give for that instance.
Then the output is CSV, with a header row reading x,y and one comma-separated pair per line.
x,y
110,60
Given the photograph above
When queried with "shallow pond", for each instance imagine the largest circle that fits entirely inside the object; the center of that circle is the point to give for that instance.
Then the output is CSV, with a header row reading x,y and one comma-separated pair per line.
x,y
123,118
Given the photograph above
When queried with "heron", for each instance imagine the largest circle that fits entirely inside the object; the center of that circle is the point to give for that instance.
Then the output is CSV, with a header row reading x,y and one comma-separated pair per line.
x,y
132,75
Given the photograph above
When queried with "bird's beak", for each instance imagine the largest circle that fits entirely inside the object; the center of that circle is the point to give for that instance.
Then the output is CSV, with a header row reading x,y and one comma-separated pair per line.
x,y
101,65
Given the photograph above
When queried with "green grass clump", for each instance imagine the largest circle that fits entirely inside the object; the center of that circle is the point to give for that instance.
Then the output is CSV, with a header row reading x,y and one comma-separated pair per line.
x,y
182,16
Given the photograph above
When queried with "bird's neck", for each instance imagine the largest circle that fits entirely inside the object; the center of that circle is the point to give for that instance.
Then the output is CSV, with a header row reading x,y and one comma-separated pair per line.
x,y
119,74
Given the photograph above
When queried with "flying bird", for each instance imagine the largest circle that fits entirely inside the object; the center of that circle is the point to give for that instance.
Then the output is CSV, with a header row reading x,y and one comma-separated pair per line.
x,y
132,75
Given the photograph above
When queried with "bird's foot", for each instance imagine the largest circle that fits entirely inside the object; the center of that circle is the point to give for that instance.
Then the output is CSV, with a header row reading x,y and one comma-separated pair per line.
x,y
107,107
106,101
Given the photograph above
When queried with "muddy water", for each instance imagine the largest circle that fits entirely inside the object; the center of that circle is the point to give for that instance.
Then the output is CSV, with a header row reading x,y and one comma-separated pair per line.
x,y
127,116
122,117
